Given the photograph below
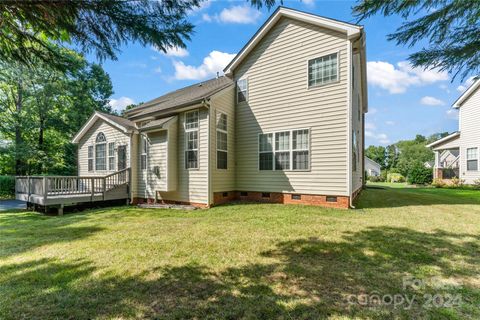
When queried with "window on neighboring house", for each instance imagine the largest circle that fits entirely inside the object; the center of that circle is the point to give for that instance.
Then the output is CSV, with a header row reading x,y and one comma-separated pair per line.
x,y
191,139
242,90
282,150
301,149
354,151
289,151
222,144
100,152
472,159
111,156
143,156
265,151
323,70
90,158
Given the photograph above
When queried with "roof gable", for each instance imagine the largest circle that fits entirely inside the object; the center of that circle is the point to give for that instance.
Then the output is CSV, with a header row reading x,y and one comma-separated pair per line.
x,y
467,94
350,30
122,124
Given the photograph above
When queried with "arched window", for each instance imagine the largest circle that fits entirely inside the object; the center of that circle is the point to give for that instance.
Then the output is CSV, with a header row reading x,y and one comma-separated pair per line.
x,y
101,152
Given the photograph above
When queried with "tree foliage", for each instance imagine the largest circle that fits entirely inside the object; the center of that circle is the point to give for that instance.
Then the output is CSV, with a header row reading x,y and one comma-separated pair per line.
x,y
450,27
41,108
32,29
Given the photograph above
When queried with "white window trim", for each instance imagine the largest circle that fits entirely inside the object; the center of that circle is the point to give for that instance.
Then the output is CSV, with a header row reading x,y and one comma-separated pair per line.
x,y
142,153
216,140
247,90
323,54
290,150
111,156
466,160
106,152
186,139
91,158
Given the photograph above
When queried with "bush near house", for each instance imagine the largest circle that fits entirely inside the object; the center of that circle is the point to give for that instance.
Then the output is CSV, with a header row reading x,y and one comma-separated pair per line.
x,y
395,177
419,174
7,186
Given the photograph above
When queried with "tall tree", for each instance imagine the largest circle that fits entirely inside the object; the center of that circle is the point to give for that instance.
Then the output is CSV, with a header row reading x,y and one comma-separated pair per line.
x,y
377,154
450,28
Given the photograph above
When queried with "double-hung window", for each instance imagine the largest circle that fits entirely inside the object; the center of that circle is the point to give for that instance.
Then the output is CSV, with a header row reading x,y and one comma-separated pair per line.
x,y
300,149
323,70
284,150
90,158
143,155
242,90
222,144
191,140
111,156
100,152
472,159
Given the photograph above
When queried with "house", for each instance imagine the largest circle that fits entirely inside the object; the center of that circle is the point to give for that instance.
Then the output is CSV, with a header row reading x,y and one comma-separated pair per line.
x,y
284,124
372,168
456,155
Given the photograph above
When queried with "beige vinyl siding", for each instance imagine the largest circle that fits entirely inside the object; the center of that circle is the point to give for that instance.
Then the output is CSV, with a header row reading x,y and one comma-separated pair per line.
x,y
469,134
192,183
357,123
223,102
279,99
149,182
112,134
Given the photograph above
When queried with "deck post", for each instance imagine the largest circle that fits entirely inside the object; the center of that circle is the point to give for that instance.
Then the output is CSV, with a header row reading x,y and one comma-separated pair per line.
x,y
29,188
60,210
104,188
45,190
92,185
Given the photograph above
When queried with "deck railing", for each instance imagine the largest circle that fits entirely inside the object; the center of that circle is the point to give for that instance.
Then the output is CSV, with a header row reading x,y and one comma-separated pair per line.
x,y
50,186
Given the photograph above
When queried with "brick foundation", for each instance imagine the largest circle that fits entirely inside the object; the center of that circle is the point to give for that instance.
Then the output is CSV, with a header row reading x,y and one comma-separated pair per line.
x,y
284,198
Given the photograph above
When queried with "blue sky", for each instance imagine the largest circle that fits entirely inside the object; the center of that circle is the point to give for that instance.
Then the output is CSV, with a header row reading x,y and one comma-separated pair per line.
x,y
402,101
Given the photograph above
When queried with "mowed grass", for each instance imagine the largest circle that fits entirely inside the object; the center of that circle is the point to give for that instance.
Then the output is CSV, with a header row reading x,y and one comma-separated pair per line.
x,y
249,261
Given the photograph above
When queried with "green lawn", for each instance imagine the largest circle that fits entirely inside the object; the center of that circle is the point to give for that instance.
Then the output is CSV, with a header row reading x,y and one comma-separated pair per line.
x,y
247,261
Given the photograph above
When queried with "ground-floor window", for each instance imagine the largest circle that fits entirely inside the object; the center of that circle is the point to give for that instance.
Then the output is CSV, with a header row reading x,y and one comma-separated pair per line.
x,y
472,159
111,156
90,158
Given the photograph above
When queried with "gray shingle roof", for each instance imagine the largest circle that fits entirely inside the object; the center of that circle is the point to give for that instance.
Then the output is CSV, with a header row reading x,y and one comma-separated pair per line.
x,y
130,125
181,97
156,123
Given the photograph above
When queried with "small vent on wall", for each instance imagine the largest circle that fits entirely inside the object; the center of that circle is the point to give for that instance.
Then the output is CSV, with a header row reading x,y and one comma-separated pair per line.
x,y
265,194
331,199
225,194
243,194
296,197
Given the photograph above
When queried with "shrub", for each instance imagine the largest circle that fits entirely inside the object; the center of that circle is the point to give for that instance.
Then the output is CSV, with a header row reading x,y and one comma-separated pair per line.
x,y
419,174
456,183
7,186
395,177
377,179
438,183
476,184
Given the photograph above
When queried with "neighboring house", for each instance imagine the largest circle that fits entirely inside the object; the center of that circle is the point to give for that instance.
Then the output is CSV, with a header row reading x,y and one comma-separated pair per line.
x,y
457,154
372,168
285,124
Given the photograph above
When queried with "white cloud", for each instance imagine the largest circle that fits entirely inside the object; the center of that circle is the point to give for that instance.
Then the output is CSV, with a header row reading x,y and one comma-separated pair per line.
x,y
119,104
158,70
309,3
390,123
431,101
397,79
466,84
370,126
213,63
382,138
452,114
243,14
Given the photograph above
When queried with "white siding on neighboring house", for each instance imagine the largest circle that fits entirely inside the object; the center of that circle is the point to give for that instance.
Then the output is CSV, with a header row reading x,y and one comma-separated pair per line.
x,y
112,134
469,134
223,102
279,99
192,183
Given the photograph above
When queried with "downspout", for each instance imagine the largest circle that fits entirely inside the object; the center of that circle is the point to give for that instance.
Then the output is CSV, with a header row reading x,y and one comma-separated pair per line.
x,y
349,125
206,104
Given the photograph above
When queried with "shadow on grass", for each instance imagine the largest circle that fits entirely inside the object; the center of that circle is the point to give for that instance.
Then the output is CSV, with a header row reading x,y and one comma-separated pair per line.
x,y
387,197
21,232
301,279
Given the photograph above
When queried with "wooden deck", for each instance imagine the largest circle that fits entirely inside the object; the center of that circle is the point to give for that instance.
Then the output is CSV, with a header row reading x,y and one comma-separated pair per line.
x,y
59,191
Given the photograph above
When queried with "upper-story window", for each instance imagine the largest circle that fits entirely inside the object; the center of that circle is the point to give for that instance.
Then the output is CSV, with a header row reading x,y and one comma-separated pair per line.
x,y
323,70
472,159
100,152
191,139
242,90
